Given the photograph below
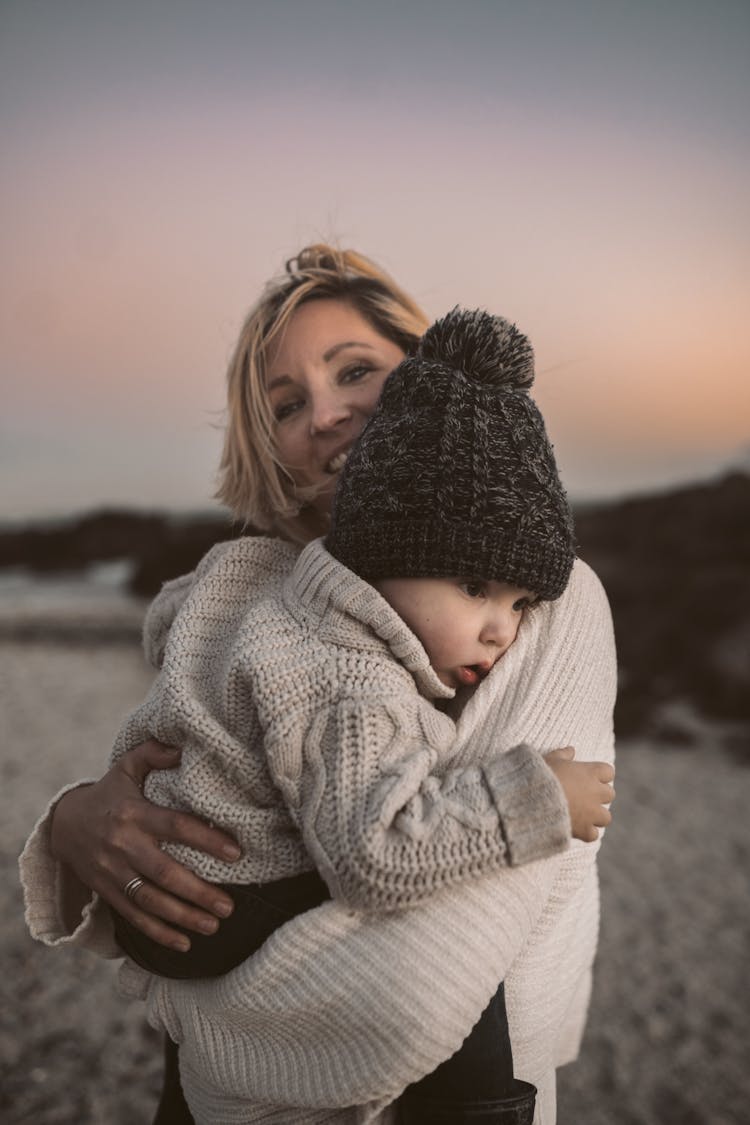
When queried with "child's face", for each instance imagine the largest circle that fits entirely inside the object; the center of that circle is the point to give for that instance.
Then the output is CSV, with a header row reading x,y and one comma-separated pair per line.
x,y
465,624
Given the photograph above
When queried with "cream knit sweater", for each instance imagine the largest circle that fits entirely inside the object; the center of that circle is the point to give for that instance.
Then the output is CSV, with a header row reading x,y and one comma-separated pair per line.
x,y
302,706
342,1009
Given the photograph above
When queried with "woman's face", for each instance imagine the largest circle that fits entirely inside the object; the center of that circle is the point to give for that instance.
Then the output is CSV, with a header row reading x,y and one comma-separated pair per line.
x,y
324,378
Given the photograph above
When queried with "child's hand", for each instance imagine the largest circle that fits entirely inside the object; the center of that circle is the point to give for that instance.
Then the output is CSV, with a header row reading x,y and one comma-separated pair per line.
x,y
588,789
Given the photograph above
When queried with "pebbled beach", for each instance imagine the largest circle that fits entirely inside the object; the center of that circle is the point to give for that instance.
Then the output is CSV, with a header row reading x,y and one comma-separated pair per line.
x,y
670,1021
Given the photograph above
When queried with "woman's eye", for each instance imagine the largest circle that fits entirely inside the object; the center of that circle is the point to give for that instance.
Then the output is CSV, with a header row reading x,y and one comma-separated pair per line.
x,y
354,374
286,409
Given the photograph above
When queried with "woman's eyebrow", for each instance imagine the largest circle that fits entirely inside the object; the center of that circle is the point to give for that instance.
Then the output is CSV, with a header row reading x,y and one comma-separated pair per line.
x,y
278,381
334,351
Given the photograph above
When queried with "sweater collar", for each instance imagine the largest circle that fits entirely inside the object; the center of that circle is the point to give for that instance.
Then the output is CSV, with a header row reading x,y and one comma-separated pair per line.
x,y
324,586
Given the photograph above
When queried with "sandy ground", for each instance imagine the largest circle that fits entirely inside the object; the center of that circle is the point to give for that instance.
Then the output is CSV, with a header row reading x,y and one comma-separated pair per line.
x,y
667,1042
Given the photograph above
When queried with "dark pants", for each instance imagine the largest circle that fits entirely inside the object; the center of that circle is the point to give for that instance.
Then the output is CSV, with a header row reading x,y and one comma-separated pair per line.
x,y
475,1085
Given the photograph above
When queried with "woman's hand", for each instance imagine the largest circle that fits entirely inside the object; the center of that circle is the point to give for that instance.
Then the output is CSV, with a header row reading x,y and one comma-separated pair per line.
x,y
108,833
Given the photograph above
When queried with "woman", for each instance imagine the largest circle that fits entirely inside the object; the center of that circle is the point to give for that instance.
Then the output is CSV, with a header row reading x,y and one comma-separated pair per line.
x,y
307,372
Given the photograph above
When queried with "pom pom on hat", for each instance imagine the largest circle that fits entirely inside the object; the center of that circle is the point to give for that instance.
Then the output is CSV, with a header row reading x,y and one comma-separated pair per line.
x,y
453,475
486,349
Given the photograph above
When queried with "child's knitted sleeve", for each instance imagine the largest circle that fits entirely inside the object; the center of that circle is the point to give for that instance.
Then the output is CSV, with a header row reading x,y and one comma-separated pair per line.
x,y
387,823
169,601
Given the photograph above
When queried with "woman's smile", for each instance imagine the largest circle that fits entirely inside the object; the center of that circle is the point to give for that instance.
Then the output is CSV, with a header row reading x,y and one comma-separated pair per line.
x,y
324,378
337,462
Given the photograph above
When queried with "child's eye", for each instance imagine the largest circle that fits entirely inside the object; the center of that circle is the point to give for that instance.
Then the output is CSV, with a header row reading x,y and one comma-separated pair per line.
x,y
524,603
473,588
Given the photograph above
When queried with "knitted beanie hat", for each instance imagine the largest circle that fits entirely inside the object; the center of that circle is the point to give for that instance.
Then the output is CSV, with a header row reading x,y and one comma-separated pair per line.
x,y
453,475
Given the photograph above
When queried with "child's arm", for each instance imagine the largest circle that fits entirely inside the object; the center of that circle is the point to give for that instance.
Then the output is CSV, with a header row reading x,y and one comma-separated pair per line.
x,y
386,823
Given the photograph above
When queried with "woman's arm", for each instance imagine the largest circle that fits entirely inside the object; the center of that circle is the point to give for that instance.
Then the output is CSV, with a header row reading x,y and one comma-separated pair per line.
x,y
103,834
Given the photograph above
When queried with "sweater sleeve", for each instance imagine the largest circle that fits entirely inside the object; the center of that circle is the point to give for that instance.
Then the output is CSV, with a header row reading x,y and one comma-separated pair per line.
x,y
59,910
387,825
142,723
169,601
160,615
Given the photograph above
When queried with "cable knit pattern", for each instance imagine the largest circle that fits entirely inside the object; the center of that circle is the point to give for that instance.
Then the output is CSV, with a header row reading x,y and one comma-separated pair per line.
x,y
302,704
339,1011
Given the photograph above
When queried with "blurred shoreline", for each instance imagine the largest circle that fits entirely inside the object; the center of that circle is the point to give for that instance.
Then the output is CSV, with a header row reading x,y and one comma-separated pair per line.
x,y
76,607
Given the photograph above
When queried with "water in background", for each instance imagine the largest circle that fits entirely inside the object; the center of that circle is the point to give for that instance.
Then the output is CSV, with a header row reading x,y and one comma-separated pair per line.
x,y
82,605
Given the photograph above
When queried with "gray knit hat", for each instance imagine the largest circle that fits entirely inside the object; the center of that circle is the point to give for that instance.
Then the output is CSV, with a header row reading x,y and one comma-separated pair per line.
x,y
453,475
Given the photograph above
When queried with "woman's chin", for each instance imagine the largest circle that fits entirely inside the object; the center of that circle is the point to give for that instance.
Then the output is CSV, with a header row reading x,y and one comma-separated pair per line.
x,y
317,516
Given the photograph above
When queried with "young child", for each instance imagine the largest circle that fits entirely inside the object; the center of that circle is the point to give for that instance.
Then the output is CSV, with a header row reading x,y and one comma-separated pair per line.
x,y
305,703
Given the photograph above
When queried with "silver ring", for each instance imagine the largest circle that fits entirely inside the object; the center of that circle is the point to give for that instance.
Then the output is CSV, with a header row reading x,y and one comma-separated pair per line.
x,y
131,889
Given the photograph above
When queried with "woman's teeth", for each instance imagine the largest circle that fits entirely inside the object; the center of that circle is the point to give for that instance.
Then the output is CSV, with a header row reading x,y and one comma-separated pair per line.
x,y
337,463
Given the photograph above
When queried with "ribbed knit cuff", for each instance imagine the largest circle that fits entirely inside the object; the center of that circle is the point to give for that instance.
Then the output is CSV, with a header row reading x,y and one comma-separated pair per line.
x,y
46,886
534,815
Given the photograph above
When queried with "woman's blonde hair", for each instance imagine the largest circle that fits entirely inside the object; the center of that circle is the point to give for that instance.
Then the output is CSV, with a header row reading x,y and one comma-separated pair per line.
x,y
252,482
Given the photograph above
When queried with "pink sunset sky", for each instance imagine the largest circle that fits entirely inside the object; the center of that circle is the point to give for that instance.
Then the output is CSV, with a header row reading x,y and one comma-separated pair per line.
x,y
581,168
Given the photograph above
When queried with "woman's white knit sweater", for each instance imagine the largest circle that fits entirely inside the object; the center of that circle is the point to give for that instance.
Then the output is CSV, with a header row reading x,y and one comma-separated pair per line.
x,y
343,1009
302,706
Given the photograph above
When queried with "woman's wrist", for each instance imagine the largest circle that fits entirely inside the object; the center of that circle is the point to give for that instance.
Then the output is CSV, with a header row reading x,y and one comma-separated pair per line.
x,y
73,895
59,821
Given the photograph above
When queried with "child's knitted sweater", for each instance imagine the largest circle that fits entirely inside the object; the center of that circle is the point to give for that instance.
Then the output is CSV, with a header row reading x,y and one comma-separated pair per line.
x,y
302,706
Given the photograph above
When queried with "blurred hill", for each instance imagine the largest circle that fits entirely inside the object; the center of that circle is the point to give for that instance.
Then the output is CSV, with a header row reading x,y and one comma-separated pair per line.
x,y
676,567
159,546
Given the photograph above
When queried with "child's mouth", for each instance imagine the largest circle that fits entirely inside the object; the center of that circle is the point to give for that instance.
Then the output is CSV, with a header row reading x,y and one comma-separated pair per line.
x,y
471,674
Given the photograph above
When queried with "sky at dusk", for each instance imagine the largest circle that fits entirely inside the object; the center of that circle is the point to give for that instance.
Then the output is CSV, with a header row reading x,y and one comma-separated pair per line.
x,y
580,167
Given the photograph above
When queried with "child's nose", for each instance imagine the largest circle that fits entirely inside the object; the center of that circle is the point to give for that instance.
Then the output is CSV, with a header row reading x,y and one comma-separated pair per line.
x,y
501,628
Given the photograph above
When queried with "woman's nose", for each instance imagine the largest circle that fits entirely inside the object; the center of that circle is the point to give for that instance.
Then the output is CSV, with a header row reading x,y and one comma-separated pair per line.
x,y
327,411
